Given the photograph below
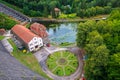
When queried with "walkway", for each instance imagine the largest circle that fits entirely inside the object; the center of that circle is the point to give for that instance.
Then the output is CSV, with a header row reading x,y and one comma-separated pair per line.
x,y
42,56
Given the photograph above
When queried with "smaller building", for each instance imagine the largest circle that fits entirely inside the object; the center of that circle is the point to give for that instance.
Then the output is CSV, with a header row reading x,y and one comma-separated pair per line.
x,y
28,39
40,30
57,12
2,31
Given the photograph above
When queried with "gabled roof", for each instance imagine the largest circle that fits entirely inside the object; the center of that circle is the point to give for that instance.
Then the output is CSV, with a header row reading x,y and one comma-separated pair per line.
x,y
56,9
37,25
23,33
39,29
2,31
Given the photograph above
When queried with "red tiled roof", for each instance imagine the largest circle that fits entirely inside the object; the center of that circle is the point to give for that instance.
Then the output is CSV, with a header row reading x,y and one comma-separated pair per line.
x,y
39,29
2,31
38,26
56,9
23,33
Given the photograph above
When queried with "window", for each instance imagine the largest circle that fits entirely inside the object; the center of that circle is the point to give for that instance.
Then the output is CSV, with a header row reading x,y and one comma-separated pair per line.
x,y
31,44
36,46
35,38
31,48
36,42
40,40
41,44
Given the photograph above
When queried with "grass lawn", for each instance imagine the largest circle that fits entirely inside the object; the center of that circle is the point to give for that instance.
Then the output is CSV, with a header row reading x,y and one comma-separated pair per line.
x,y
62,63
2,37
28,59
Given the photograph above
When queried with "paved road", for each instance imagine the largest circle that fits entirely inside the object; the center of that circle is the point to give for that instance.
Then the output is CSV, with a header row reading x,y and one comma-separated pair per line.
x,y
42,56
11,69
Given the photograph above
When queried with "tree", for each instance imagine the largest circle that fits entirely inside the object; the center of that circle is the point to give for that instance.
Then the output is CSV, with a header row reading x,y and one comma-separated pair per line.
x,y
94,38
101,40
52,5
114,67
107,9
99,10
115,15
101,26
118,48
96,65
26,10
83,31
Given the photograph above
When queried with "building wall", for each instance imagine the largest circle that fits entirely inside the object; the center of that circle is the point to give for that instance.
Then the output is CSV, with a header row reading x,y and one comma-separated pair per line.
x,y
39,31
35,44
16,38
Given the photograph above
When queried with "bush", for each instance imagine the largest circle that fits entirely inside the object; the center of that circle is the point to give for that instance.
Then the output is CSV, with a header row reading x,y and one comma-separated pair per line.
x,y
62,16
72,15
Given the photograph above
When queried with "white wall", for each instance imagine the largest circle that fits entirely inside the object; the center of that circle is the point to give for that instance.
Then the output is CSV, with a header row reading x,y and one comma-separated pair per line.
x,y
34,42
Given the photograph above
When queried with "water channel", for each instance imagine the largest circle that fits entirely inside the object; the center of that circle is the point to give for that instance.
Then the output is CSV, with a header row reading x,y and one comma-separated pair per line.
x,y
62,32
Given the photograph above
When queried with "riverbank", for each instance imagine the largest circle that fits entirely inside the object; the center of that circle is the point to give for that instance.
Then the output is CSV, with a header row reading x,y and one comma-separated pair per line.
x,y
53,20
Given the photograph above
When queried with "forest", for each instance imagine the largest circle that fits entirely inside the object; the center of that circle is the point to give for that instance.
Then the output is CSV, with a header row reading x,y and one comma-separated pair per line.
x,y
101,42
82,8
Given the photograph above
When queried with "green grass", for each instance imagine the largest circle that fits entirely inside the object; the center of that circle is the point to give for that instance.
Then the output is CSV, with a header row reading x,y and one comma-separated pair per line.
x,y
28,25
59,71
2,37
73,63
72,57
62,63
28,59
6,22
69,70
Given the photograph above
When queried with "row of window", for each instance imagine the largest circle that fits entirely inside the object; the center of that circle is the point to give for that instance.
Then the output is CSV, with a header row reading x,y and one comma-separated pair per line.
x,y
34,43
32,48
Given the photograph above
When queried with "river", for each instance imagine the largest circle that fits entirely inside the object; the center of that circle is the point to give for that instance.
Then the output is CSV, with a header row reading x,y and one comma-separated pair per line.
x,y
62,32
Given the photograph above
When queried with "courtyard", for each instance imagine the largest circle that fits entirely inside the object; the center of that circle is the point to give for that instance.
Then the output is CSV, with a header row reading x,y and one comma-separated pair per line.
x,y
62,63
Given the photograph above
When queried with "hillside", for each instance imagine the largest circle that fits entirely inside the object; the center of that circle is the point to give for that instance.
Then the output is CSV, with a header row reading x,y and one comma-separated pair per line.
x,y
82,8
101,42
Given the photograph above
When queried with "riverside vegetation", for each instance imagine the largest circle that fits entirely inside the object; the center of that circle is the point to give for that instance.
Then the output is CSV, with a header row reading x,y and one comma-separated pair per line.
x,y
101,41
82,8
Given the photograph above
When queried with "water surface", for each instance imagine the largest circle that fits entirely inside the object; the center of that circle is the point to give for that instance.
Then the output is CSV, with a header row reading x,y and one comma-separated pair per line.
x,y
63,32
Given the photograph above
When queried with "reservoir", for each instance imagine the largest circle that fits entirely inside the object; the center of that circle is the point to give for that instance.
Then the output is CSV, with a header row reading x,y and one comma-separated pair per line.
x,y
62,32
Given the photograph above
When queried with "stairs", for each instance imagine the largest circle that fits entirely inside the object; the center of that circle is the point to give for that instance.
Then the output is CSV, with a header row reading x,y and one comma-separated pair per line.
x,y
13,13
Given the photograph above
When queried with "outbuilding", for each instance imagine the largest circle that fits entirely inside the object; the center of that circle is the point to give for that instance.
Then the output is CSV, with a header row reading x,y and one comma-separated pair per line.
x,y
28,39
40,30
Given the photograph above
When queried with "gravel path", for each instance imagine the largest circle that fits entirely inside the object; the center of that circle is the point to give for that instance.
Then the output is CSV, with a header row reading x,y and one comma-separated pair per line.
x,y
49,50
11,69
